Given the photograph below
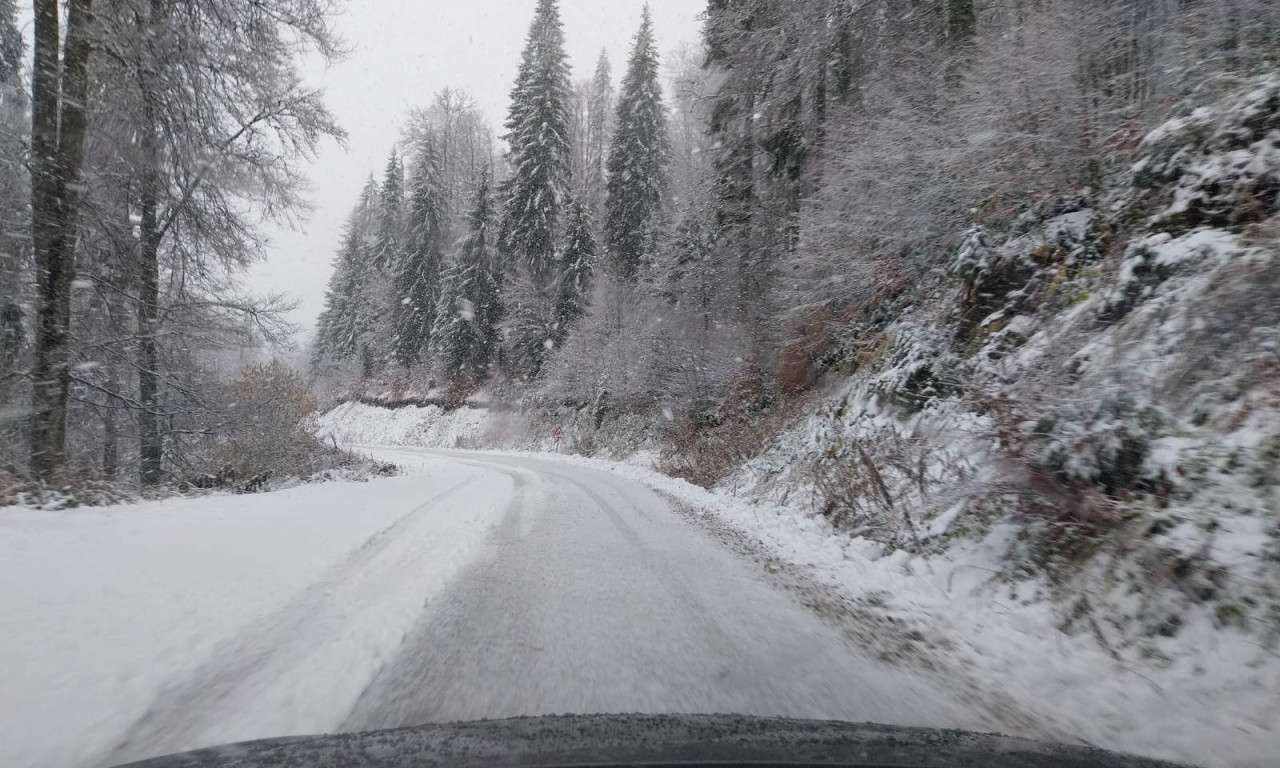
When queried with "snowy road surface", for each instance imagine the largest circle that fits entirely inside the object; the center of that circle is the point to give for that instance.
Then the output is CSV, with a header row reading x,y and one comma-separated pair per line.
x,y
594,595
476,586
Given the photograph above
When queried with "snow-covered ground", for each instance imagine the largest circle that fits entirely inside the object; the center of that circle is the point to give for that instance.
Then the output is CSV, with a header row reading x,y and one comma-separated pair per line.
x,y
268,614
354,423
140,629
1214,700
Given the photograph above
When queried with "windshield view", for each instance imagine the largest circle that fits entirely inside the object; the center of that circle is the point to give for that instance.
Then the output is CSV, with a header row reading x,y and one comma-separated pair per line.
x,y
529,383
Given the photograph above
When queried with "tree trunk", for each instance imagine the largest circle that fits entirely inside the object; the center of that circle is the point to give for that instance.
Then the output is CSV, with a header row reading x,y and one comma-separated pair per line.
x,y
149,422
58,122
152,441
110,446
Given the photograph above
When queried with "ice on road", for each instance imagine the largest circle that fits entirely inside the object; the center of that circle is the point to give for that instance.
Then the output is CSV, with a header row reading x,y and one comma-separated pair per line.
x,y
476,586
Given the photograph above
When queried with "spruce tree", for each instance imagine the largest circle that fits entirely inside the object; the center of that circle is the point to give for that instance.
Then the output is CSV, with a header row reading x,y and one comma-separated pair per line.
x,y
578,263
638,159
390,202
600,117
371,291
417,278
539,320
338,335
470,307
538,136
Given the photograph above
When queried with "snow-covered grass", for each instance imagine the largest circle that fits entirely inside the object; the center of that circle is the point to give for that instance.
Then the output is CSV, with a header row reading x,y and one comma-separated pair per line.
x,y
267,614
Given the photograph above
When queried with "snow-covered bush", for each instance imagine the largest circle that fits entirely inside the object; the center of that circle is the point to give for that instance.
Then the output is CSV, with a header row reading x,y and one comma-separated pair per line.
x,y
1223,161
1106,446
68,488
917,368
267,438
705,441
989,275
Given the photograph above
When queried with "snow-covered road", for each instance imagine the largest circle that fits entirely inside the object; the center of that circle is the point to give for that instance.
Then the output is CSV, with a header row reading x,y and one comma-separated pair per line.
x,y
595,595
477,585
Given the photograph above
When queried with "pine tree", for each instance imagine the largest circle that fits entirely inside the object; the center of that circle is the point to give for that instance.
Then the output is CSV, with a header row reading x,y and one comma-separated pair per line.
x,y
470,306
390,201
371,290
578,262
417,279
600,116
538,136
637,159
339,332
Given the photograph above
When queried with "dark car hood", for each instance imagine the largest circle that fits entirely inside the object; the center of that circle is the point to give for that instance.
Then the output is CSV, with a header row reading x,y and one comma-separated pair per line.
x,y
612,740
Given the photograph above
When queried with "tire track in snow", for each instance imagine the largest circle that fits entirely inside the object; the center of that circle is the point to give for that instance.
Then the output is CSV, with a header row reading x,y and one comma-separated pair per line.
x,y
186,709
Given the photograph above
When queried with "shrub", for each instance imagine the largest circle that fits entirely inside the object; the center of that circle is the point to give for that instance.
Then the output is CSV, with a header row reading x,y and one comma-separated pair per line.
x,y
1106,448
265,433
68,488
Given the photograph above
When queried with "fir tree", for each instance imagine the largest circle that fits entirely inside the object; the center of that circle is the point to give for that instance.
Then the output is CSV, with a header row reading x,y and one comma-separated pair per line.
x,y
599,132
637,159
470,305
370,290
417,278
538,135
578,264
390,201
539,320
338,335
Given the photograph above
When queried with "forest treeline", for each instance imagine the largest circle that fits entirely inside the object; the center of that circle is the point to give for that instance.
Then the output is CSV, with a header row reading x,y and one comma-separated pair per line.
x,y
704,248
717,245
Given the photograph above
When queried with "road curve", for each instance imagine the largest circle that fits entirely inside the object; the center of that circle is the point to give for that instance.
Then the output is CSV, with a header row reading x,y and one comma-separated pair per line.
x,y
595,596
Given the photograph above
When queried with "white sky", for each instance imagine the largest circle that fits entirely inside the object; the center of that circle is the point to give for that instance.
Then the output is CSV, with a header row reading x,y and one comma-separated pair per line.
x,y
403,52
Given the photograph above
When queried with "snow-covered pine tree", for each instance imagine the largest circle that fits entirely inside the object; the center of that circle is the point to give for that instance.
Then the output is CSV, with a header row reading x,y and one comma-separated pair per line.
x,y
417,278
578,263
390,215
638,159
339,332
465,334
372,285
538,136
537,320
600,117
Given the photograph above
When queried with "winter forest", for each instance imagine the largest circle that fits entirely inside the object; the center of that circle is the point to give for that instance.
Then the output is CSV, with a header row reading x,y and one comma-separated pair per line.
x,y
706,238
968,308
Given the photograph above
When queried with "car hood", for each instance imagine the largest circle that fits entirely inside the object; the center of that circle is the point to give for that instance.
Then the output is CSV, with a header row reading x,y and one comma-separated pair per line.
x,y
687,740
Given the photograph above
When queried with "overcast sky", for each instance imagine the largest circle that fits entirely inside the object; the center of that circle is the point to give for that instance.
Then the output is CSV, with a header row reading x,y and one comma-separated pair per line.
x,y
403,52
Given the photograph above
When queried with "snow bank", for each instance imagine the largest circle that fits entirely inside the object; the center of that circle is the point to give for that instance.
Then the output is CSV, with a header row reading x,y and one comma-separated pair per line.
x,y
264,614
427,427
